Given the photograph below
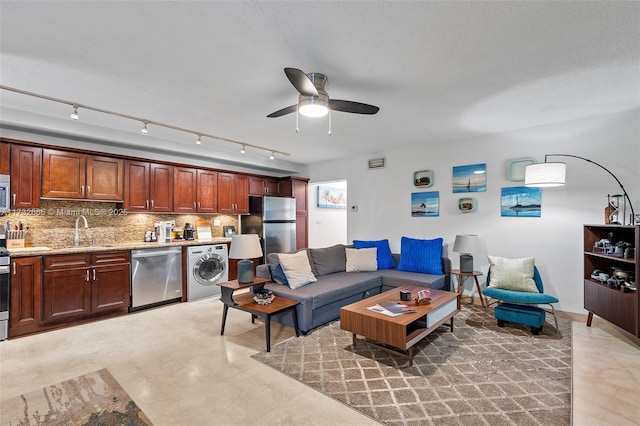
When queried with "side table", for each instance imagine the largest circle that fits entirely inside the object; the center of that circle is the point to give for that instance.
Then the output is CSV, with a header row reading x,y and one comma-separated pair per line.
x,y
461,276
245,302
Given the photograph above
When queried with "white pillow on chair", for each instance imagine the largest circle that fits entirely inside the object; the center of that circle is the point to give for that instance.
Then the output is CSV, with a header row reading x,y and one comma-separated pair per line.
x,y
512,274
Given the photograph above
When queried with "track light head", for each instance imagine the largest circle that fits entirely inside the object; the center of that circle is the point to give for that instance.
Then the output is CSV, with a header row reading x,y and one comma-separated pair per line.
x,y
199,140
144,130
242,150
74,115
272,156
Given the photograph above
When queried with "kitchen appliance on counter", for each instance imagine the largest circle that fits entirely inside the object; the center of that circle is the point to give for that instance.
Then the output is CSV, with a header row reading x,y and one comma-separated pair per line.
x,y
163,231
207,266
5,194
274,220
156,276
188,232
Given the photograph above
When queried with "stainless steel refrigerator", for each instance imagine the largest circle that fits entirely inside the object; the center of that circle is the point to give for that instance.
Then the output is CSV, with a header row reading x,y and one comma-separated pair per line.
x,y
274,219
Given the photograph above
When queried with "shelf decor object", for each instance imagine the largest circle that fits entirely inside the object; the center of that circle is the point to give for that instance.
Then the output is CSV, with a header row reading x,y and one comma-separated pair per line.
x,y
466,244
467,204
245,247
549,174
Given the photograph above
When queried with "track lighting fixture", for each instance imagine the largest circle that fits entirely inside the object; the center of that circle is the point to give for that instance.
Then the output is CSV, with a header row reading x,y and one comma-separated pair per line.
x,y
74,115
272,156
242,150
144,121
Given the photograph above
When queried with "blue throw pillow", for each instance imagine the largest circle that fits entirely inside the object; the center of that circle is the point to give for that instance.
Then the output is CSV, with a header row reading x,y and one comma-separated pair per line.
x,y
277,274
421,255
384,257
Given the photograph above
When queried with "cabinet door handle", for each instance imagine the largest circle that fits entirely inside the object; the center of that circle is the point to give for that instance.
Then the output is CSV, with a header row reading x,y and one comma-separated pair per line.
x,y
146,204
87,275
198,205
14,268
94,274
151,204
195,206
14,200
88,189
82,189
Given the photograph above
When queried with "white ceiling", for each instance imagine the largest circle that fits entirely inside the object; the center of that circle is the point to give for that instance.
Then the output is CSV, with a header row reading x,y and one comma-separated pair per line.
x,y
438,70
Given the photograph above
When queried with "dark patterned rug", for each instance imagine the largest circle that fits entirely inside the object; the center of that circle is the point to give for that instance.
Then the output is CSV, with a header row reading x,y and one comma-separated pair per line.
x,y
91,399
477,375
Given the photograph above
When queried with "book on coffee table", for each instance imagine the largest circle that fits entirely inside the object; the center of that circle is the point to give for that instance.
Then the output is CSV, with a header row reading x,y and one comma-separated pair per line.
x,y
392,309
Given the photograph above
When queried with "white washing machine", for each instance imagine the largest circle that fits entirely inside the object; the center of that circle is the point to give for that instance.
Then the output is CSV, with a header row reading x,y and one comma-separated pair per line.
x,y
207,266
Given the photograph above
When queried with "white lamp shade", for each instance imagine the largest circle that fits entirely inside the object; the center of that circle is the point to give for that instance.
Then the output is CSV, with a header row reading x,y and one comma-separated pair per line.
x,y
466,243
313,107
545,174
245,246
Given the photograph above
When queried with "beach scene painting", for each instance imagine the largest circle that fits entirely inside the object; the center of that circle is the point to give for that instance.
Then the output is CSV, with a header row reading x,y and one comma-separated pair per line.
x,y
471,178
521,201
331,198
425,204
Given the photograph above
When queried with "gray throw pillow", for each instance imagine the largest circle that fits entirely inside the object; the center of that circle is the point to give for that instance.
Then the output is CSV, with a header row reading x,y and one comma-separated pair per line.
x,y
328,260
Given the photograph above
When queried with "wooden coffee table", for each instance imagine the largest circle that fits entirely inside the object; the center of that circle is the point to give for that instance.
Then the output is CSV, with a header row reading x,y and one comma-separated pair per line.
x,y
403,331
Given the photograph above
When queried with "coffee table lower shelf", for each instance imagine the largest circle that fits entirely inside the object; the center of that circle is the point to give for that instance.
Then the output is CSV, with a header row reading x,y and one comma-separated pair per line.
x,y
398,334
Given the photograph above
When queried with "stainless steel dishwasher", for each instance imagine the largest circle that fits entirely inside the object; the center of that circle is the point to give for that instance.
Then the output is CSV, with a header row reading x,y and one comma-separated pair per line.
x,y
156,276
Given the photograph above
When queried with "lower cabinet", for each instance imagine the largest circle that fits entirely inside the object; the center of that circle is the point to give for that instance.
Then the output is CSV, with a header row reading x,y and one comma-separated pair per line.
x,y
84,285
26,295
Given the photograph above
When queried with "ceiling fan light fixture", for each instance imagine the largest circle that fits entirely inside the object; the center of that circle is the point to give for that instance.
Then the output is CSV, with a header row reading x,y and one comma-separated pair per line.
x,y
313,107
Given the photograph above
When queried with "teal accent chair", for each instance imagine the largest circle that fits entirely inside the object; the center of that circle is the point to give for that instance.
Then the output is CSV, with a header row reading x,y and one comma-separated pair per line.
x,y
520,306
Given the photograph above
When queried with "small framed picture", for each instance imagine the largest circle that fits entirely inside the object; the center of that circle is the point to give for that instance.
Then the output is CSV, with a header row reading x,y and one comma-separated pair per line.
x,y
423,178
425,204
467,204
470,178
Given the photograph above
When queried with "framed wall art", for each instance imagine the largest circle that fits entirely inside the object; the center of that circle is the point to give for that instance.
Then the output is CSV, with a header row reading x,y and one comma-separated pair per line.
x,y
521,201
425,204
331,198
423,178
471,178
467,204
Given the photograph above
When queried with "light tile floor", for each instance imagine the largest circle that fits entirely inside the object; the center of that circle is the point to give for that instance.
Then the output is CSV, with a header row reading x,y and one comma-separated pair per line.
x,y
176,366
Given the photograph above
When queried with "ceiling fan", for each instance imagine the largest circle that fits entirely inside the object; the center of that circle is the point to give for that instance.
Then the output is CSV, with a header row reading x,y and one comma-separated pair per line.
x,y
314,100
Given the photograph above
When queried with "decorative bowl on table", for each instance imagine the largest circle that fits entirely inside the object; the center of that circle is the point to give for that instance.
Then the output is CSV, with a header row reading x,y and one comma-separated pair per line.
x,y
264,297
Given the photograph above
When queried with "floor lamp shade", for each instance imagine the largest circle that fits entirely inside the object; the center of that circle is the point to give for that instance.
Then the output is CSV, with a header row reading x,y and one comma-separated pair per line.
x,y
465,245
245,247
545,174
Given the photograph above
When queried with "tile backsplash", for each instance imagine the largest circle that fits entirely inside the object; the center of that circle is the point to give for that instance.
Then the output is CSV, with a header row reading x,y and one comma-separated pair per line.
x,y
53,224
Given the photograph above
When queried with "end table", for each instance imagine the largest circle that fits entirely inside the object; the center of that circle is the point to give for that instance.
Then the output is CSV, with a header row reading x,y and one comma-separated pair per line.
x,y
245,302
461,276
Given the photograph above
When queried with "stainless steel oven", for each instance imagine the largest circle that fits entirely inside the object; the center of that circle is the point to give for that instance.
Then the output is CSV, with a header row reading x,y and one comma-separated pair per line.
x,y
4,293
5,194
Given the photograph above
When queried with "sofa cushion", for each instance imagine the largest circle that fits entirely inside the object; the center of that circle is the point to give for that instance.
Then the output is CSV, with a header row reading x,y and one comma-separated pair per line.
x,y
512,274
423,256
275,269
361,260
394,278
297,269
329,260
384,256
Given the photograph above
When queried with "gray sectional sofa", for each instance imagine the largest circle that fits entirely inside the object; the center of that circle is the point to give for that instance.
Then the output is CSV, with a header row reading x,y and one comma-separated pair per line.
x,y
320,301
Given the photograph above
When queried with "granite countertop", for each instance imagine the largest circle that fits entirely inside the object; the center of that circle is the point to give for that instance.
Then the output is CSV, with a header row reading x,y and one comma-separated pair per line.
x,y
134,245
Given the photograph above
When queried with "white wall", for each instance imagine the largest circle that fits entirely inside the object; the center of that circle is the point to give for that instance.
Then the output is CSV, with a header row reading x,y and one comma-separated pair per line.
x,y
326,226
555,239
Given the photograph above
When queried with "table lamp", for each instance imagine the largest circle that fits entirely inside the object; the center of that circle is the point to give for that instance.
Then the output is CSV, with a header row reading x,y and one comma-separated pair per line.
x,y
245,247
466,244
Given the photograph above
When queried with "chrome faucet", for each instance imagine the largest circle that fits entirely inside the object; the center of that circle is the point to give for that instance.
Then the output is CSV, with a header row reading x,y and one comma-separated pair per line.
x,y
76,238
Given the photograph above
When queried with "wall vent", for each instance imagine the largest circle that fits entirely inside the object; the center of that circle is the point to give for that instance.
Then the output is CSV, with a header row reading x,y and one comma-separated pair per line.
x,y
378,163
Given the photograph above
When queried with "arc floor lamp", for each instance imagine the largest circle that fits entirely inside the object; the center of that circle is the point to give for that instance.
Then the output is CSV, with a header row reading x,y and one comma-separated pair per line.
x,y
550,174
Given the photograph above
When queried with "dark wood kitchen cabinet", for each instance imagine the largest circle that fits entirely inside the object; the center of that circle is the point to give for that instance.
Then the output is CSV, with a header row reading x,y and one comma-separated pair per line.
x,y
4,158
72,175
148,187
297,187
26,295
261,185
25,176
233,193
194,190
80,286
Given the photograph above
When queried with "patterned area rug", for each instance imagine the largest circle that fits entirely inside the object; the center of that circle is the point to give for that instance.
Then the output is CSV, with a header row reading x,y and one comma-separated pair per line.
x,y
477,375
91,399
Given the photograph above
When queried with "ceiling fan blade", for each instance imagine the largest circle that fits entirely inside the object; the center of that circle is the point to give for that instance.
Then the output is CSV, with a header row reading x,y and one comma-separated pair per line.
x,y
353,107
301,82
283,111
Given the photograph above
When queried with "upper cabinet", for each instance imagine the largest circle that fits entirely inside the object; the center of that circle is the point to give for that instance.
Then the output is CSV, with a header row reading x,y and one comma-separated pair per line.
x,y
4,158
297,188
233,193
25,176
72,175
195,190
260,185
207,194
148,187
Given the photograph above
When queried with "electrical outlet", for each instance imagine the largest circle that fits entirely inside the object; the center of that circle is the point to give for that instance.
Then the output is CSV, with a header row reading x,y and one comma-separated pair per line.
x,y
216,222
